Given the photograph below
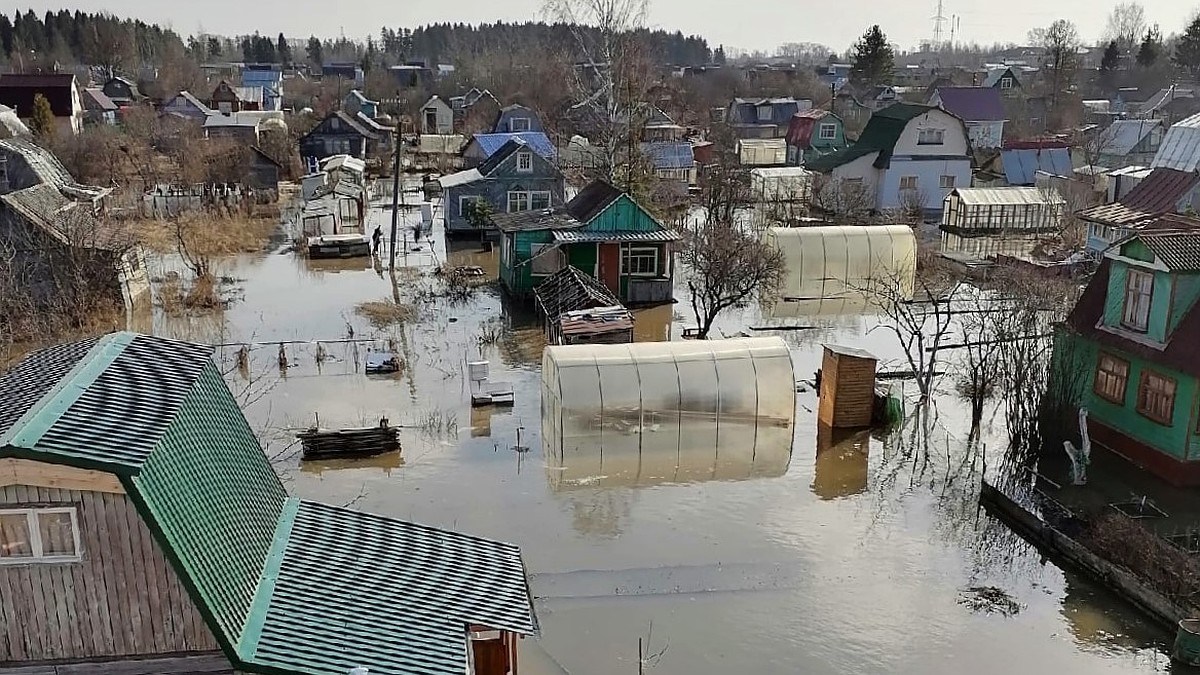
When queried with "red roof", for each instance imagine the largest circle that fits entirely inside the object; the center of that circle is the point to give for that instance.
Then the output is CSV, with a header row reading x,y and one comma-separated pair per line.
x,y
1157,195
800,128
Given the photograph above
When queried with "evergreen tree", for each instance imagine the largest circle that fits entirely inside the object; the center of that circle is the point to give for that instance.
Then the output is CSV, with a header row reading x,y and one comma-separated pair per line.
x,y
283,50
42,121
1151,49
873,60
313,50
719,55
1187,50
1109,64
214,47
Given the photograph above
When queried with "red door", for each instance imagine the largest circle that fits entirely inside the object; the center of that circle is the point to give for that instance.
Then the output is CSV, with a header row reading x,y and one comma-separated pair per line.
x,y
610,267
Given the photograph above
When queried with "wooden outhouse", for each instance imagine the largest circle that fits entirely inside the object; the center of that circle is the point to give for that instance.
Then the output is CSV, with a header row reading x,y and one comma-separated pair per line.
x,y
847,392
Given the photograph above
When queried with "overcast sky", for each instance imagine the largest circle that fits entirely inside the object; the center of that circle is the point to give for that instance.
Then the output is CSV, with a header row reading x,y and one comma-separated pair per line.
x,y
744,25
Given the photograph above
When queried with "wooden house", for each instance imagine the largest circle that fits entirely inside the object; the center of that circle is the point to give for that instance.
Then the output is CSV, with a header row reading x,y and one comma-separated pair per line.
x,y
765,117
812,134
601,231
1161,194
1130,347
100,110
186,106
437,117
513,179
517,118
143,531
344,134
122,91
357,103
18,91
577,309
227,98
847,391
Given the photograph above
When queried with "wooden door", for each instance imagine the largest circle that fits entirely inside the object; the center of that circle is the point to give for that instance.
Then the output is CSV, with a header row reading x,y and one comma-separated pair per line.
x,y
491,657
610,267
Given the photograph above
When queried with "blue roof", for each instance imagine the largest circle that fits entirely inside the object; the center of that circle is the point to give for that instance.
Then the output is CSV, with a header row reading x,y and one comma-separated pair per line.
x,y
537,140
1021,165
669,154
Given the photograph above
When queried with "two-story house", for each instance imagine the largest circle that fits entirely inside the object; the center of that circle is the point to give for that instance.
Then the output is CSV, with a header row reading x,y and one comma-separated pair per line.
x,y
602,232
1132,343
514,178
483,146
908,155
981,108
765,117
344,134
18,91
812,134
266,78
1163,192
517,118
144,531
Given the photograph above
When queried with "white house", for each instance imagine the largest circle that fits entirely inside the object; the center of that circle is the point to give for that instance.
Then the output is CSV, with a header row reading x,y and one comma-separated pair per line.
x,y
907,152
437,117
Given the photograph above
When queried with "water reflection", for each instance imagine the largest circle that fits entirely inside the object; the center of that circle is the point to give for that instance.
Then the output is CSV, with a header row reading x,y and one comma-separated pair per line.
x,y
987,247
385,463
841,463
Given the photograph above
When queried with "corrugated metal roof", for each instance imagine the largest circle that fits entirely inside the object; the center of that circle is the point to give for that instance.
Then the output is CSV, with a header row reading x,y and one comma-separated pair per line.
x,y
538,141
1159,193
1008,196
571,289
1021,166
460,178
527,221
669,154
34,377
577,236
973,104
592,200
285,585
595,321
1180,149
1179,251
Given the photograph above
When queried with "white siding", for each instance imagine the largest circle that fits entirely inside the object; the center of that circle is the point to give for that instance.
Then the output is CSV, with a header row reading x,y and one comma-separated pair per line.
x,y
954,142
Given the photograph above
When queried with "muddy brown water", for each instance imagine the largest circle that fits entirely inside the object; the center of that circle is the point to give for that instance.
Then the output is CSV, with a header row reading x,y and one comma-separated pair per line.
x,y
851,559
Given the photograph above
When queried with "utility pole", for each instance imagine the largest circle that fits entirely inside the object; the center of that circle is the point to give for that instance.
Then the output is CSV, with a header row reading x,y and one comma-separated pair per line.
x,y
397,188
939,22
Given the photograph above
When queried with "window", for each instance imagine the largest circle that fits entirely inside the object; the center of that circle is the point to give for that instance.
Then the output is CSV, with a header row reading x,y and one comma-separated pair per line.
x,y
466,203
1006,82
525,162
525,200
931,136
947,182
39,535
908,182
764,113
1156,397
334,123
828,132
853,181
1112,374
640,261
518,124
546,259
1139,288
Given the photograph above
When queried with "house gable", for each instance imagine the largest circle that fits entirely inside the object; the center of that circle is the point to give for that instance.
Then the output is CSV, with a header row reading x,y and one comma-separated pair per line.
x,y
623,215
503,164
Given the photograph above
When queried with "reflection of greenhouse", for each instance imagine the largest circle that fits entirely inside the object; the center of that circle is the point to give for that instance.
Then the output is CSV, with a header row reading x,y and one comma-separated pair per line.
x,y
840,261
661,412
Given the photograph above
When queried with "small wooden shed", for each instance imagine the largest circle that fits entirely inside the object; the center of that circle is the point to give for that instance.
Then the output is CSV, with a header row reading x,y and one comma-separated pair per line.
x,y
847,395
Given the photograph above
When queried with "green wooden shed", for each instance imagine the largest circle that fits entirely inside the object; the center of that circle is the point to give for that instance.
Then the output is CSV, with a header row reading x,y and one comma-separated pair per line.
x,y
601,231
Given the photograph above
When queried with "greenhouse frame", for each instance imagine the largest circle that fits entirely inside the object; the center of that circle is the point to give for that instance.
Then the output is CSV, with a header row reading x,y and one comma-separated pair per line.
x,y
668,411
1009,210
838,261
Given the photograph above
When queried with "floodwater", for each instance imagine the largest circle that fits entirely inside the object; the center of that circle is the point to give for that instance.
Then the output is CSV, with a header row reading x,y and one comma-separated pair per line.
x,y
851,554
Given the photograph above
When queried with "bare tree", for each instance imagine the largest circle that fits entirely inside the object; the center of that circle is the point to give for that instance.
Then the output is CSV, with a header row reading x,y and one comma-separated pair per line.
x,y
1061,43
727,267
842,200
1126,25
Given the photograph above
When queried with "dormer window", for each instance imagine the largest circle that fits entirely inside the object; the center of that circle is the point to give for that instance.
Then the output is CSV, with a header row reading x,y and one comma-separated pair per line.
x,y
1139,289
931,136
764,113
1006,82
518,124
525,162
828,132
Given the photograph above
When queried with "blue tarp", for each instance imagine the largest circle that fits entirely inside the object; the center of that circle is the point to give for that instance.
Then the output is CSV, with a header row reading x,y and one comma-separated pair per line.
x,y
1021,165
669,154
536,140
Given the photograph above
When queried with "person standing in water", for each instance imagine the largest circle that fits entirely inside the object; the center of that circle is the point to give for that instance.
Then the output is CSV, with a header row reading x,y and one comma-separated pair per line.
x,y
377,239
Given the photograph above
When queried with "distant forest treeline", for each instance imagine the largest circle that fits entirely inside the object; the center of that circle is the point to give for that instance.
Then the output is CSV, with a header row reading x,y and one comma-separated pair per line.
x,y
79,37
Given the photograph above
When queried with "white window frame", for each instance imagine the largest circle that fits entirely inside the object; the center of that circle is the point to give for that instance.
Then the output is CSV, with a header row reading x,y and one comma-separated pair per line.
x,y
765,113
931,136
914,183
539,252
463,200
627,255
35,536
1006,82
827,132
527,196
512,124
524,162
948,182
1139,298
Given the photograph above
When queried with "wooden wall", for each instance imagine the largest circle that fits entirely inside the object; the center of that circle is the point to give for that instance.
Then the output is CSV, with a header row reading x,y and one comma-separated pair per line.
x,y
122,599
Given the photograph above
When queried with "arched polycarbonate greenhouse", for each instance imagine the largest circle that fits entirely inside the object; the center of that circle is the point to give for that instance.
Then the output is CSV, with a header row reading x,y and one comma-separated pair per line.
x,y
653,412
837,261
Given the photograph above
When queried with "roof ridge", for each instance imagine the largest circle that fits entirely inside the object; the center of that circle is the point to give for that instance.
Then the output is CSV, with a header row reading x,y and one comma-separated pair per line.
x,y
252,629
30,427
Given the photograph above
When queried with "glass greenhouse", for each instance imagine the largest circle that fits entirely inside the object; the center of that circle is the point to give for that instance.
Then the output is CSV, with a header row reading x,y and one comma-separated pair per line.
x,y
838,261
661,412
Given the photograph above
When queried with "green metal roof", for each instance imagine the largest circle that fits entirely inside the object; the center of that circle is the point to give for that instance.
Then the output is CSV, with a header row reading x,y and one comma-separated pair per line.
x,y
881,134
285,585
